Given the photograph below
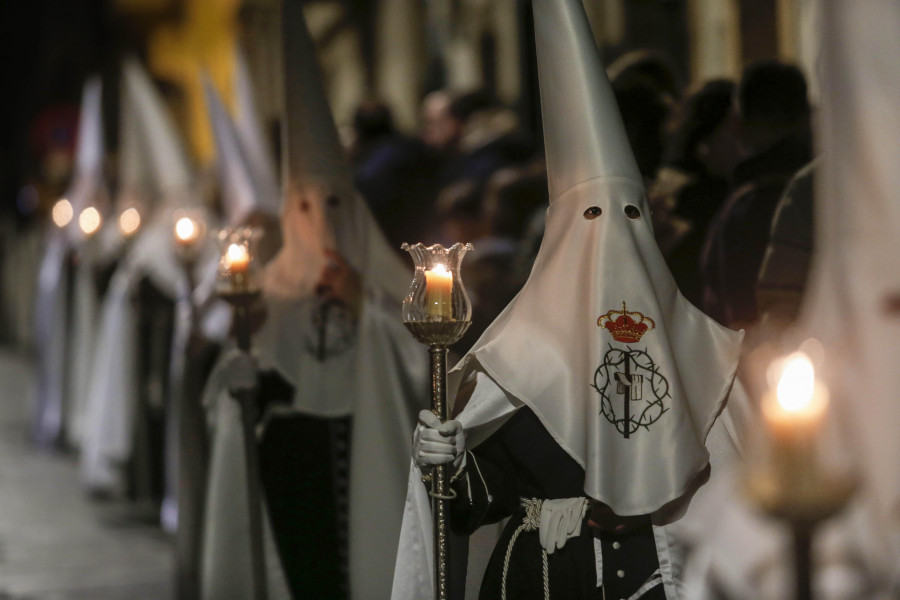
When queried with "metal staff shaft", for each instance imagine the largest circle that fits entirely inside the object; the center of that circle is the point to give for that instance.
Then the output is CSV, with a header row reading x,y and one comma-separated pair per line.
x,y
803,535
440,481
247,400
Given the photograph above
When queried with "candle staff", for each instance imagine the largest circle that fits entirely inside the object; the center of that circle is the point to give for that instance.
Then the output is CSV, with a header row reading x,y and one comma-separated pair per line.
x,y
788,480
437,311
240,288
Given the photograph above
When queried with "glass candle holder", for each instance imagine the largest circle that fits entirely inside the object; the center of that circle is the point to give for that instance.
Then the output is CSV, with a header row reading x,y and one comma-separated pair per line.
x,y
238,267
437,309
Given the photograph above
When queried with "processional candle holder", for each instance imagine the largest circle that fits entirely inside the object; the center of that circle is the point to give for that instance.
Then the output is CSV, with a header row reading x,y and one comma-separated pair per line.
x,y
238,283
437,312
788,479
189,231
130,220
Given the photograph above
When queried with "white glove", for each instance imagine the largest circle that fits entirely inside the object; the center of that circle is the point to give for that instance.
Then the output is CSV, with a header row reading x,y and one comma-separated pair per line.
x,y
560,520
436,443
239,370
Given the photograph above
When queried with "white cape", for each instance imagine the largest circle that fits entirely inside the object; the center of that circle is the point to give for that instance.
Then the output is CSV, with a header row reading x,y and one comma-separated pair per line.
x,y
381,375
413,574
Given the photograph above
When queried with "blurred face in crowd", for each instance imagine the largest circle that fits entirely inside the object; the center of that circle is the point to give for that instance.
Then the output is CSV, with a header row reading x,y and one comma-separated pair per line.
x,y
440,129
721,150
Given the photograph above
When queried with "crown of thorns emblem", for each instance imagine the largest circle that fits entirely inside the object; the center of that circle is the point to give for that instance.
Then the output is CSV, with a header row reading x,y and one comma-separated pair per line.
x,y
632,374
333,329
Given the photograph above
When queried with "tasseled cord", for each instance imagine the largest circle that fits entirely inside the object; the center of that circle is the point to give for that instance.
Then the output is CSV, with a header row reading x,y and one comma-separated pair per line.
x,y
531,522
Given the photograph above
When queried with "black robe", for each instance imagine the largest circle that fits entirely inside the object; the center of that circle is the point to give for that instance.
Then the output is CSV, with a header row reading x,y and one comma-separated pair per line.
x,y
521,460
305,476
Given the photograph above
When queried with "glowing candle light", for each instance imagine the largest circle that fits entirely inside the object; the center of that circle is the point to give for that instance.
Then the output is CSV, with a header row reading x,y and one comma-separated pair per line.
x,y
237,258
794,415
129,221
62,212
90,220
186,231
438,288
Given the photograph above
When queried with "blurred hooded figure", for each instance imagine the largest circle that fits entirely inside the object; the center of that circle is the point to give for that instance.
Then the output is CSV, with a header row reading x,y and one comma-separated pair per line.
x,y
66,299
854,278
338,376
151,307
219,540
589,412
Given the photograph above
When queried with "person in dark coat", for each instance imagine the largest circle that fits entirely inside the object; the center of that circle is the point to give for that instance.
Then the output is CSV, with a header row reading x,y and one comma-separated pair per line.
x,y
694,182
774,127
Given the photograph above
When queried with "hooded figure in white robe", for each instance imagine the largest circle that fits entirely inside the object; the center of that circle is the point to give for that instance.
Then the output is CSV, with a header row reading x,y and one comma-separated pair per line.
x,y
118,403
66,298
852,307
249,189
595,403
337,360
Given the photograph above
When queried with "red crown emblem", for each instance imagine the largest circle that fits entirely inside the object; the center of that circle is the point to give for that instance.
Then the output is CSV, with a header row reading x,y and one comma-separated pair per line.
x,y
625,325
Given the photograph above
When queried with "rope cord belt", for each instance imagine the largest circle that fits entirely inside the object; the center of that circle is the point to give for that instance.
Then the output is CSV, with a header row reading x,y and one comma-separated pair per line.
x,y
654,580
530,522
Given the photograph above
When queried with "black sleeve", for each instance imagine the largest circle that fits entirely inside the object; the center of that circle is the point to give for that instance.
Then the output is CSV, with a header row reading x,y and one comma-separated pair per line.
x,y
272,389
520,460
487,491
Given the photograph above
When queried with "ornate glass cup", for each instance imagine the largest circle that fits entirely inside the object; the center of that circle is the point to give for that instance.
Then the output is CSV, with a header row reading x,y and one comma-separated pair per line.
x,y
437,309
238,270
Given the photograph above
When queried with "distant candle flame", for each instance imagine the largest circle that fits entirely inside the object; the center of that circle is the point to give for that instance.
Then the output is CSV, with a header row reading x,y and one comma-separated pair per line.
x,y
797,383
185,229
237,253
441,270
89,220
129,221
62,212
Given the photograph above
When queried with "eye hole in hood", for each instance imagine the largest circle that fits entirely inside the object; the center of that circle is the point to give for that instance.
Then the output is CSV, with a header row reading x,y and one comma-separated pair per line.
x,y
632,212
592,213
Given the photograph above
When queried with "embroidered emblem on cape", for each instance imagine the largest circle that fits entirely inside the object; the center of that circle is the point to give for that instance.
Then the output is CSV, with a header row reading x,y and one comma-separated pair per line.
x,y
623,326
633,372
333,329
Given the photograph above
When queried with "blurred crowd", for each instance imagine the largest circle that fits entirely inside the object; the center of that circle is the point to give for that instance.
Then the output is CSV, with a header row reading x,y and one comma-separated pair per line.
x,y
718,160
723,162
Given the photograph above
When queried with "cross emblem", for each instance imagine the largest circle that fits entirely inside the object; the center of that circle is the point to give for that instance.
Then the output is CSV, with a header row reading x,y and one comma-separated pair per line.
x,y
630,386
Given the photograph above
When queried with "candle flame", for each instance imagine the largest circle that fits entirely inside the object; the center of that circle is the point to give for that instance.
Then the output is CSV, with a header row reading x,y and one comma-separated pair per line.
x,y
89,220
441,270
129,221
62,212
797,383
237,253
185,229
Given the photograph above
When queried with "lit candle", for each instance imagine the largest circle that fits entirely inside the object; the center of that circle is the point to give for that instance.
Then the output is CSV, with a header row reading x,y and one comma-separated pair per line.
x,y
129,221
186,231
794,416
237,259
438,288
62,212
89,220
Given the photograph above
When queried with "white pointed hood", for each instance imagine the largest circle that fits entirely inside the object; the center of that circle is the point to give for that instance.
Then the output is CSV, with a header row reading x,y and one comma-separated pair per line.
x,y
248,184
601,310
166,154
87,187
169,167
321,208
135,178
253,137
